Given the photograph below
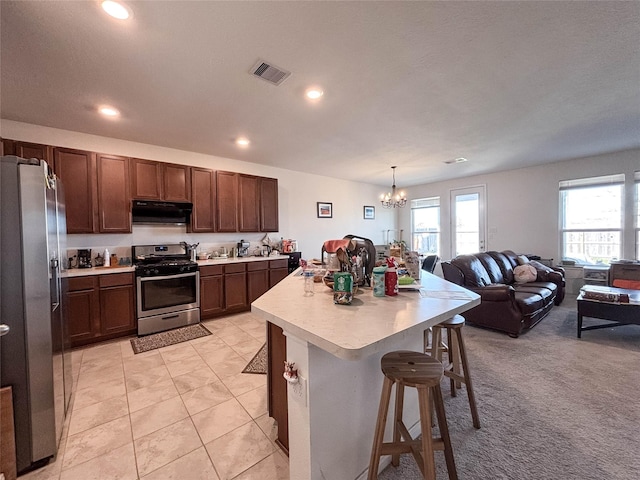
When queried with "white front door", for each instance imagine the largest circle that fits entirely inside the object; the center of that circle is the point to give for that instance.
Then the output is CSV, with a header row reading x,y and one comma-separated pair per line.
x,y
468,220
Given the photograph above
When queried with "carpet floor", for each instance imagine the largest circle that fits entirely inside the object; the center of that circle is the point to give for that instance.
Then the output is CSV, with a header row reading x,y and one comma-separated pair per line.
x,y
552,407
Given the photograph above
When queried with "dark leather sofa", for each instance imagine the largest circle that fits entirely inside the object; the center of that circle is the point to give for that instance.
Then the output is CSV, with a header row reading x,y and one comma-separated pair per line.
x,y
505,305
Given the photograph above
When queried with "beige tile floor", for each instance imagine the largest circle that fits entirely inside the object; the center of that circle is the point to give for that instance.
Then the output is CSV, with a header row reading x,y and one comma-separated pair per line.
x,y
179,412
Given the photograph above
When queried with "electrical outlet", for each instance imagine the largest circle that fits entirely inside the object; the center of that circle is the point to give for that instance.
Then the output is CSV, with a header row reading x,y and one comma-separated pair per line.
x,y
299,390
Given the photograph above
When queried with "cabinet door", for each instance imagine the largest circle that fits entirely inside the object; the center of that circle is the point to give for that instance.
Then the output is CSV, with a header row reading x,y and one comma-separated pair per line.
x,y
211,296
203,195
117,310
177,183
146,179
227,201
248,203
76,170
114,203
257,284
235,292
276,384
82,310
269,205
276,275
30,150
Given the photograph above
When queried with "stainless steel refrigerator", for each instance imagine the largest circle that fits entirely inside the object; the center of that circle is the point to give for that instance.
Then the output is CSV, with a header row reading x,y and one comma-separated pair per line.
x,y
34,356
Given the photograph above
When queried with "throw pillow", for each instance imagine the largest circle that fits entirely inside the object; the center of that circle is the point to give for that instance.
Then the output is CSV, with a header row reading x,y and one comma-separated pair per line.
x,y
541,267
525,273
522,259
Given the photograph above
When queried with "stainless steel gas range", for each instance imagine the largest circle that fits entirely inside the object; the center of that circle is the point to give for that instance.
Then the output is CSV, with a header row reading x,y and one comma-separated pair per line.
x,y
168,287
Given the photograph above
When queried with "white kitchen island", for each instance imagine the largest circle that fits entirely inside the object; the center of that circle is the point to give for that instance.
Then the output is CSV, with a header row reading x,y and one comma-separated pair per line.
x,y
337,350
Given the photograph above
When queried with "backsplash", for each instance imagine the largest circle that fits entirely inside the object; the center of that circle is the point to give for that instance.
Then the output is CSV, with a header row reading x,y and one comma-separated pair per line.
x,y
120,245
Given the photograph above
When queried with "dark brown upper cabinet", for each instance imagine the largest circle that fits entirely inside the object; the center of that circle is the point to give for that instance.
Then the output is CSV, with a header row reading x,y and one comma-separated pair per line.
x,y
29,150
227,201
269,205
203,196
114,199
77,171
152,180
248,203
177,182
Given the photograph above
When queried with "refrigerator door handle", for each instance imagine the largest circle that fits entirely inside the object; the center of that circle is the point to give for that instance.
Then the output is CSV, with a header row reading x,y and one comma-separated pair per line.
x,y
55,271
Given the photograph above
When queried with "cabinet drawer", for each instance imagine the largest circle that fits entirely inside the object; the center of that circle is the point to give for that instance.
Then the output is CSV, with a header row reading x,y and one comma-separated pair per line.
x,y
209,270
237,268
280,263
82,283
116,279
253,266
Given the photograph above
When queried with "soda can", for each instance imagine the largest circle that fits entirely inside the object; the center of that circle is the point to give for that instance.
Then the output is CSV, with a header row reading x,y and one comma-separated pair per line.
x,y
342,288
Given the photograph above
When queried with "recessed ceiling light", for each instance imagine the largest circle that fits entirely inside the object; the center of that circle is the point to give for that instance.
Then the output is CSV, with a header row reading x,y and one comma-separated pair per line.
x,y
314,93
109,111
242,142
116,9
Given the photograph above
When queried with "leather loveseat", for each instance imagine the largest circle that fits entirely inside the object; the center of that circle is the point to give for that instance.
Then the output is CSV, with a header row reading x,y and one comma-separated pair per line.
x,y
506,305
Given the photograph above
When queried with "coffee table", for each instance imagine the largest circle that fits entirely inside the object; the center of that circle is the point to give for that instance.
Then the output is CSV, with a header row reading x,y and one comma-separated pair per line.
x,y
615,313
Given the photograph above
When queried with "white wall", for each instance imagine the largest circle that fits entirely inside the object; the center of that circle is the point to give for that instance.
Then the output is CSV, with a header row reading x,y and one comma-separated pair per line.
x,y
297,196
522,204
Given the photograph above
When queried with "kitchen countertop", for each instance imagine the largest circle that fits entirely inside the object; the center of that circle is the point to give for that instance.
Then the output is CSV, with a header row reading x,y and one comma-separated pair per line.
x,y
83,272
358,330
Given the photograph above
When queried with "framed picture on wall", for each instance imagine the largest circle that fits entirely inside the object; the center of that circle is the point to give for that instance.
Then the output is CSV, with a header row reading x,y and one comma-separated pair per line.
x,y
325,210
369,212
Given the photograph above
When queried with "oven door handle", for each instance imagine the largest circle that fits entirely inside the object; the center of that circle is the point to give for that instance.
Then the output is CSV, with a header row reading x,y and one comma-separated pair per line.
x,y
168,277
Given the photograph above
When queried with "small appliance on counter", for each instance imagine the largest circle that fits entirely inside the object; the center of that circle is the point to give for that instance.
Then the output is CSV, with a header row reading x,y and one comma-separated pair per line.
x,y
243,248
84,258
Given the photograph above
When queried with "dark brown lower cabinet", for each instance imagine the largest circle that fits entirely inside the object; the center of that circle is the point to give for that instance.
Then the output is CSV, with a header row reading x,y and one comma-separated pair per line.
x,y
278,270
100,307
117,304
235,288
211,291
83,309
276,384
257,279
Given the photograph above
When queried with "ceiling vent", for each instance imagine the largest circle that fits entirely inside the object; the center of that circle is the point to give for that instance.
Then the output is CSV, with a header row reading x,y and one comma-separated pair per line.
x,y
270,72
456,160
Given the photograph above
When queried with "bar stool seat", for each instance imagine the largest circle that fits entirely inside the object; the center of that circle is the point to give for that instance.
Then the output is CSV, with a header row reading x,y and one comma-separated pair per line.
x,y
457,366
420,371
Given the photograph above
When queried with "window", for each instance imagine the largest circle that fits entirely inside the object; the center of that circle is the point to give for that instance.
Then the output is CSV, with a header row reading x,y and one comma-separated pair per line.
x,y
425,225
591,219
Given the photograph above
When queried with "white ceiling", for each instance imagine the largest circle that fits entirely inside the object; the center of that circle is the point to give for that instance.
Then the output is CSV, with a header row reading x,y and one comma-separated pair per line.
x,y
413,84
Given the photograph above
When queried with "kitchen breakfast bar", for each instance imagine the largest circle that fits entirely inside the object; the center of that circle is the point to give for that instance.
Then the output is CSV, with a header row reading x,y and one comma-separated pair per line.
x,y
337,349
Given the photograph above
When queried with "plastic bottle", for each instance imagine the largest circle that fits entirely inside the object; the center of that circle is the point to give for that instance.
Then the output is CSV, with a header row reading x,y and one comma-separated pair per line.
x,y
308,283
107,257
391,279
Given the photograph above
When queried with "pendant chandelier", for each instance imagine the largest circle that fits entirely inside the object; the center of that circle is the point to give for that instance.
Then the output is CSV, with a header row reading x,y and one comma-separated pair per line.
x,y
393,199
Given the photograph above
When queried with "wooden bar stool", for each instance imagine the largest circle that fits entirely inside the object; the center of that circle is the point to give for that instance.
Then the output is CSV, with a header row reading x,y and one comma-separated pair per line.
x,y
457,366
420,371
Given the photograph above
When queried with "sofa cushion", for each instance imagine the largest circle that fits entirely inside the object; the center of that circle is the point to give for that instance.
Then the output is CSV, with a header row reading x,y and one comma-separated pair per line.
x,y
545,290
528,303
475,275
492,268
505,266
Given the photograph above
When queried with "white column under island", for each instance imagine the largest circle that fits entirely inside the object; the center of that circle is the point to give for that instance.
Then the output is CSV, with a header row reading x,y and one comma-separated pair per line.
x,y
337,349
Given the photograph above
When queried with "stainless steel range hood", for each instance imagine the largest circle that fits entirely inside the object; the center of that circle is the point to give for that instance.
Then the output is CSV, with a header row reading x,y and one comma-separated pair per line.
x,y
145,212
